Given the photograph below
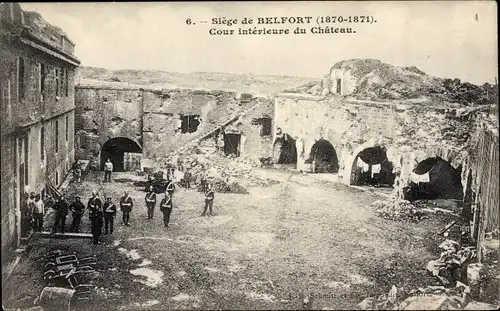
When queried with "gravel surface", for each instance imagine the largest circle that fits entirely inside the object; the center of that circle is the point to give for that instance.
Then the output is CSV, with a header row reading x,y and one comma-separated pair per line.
x,y
265,250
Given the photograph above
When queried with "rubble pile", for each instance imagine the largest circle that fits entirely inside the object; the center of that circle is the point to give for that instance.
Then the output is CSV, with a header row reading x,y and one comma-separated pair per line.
x,y
227,174
398,209
428,298
463,282
450,265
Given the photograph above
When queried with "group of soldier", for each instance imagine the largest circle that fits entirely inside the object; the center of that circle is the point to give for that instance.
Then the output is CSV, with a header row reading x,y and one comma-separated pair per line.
x,y
102,214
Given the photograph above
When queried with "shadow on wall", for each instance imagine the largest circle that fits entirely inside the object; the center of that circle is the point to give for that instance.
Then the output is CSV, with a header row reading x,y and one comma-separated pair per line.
x,y
115,149
434,178
323,158
371,167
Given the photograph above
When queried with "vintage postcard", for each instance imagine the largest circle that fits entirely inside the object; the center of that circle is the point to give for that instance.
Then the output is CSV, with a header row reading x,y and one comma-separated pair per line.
x,y
316,155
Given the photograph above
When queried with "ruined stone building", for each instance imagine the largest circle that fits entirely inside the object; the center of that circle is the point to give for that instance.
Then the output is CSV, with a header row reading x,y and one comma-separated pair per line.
x,y
139,128
371,123
37,97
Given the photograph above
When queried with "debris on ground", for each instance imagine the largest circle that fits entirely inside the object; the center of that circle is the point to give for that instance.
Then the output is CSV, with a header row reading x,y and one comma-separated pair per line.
x,y
398,209
463,282
395,208
227,174
449,267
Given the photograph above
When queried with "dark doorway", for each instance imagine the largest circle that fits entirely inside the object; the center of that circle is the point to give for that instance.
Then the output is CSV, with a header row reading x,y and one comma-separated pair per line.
x,y
323,158
232,144
115,149
339,86
434,178
371,167
285,150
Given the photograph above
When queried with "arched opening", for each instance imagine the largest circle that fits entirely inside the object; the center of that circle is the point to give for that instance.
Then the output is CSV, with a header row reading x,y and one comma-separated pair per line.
x,y
285,150
434,178
371,167
323,158
123,152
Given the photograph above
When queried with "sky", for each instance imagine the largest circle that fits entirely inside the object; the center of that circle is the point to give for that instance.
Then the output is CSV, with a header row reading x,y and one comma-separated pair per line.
x,y
446,39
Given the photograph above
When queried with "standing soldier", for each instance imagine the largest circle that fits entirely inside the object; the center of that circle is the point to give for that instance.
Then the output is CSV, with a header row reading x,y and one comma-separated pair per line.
x,y
150,202
108,168
209,201
38,213
170,187
77,208
28,213
78,173
126,205
187,178
95,215
166,208
203,182
61,208
109,216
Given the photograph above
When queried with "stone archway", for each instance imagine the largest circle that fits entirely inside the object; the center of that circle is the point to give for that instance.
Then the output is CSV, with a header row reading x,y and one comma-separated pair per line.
x,y
285,150
434,178
372,167
115,149
323,157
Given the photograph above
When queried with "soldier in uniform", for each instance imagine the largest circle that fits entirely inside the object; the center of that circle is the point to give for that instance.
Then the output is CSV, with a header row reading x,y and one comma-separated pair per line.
x,y
109,216
61,208
150,202
170,187
95,215
77,208
187,179
38,213
209,201
166,208
108,169
126,205
28,213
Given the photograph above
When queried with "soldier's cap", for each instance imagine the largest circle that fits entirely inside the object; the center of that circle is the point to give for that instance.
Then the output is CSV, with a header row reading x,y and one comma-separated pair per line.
x,y
77,197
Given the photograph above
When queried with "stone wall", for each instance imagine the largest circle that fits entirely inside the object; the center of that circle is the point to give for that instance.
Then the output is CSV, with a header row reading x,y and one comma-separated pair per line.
x,y
482,167
411,132
104,113
23,115
152,118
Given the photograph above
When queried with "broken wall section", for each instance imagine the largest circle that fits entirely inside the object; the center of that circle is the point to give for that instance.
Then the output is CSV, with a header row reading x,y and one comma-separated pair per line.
x,y
166,113
409,132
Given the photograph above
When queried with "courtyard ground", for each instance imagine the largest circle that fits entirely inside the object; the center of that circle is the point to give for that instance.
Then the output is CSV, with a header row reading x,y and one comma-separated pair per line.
x,y
268,249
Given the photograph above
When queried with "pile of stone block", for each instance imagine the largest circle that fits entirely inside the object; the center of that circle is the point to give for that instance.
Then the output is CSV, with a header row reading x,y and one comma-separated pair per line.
x,y
398,209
